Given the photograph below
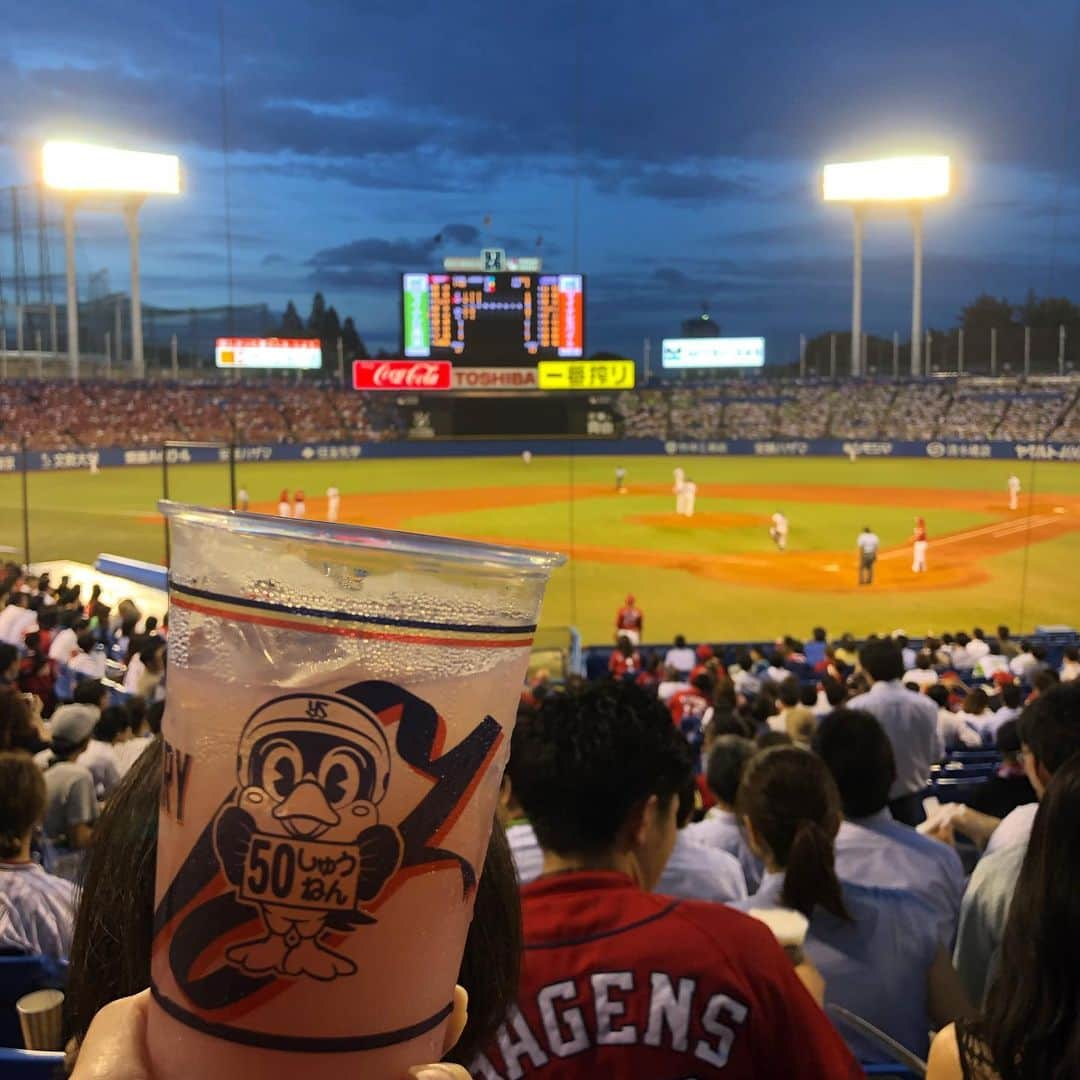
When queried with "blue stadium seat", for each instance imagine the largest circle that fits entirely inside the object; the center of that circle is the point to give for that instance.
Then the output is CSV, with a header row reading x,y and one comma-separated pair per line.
x,y
21,975
895,1072
31,1065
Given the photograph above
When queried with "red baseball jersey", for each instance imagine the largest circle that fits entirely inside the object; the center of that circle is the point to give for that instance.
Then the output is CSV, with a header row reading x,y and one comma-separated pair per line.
x,y
617,982
920,532
629,618
687,703
620,665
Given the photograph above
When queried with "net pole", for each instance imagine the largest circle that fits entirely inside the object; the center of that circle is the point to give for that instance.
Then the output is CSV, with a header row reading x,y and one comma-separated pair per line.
x,y
165,495
25,503
232,475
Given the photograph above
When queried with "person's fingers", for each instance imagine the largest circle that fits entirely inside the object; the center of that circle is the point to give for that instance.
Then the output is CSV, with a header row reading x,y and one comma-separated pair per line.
x,y
438,1072
115,1045
458,1018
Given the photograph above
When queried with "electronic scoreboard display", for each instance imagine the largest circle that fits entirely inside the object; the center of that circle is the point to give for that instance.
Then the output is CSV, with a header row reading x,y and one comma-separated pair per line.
x,y
493,319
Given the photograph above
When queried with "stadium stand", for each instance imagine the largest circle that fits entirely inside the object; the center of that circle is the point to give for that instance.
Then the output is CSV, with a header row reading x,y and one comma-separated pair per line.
x,y
94,415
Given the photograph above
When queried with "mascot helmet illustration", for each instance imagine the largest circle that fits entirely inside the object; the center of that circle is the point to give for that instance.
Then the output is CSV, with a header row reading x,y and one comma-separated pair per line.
x,y
302,840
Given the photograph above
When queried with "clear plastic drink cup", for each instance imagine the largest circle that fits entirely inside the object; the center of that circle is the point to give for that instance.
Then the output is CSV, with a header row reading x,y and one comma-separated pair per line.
x,y
339,709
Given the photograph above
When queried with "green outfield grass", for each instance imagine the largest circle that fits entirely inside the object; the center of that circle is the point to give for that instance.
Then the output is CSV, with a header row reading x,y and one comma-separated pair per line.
x,y
76,515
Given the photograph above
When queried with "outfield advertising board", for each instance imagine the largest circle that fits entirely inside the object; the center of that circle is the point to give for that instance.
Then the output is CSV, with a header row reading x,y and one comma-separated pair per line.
x,y
114,457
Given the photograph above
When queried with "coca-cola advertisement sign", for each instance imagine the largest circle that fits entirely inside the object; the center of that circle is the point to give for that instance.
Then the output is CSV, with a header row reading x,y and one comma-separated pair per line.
x,y
401,374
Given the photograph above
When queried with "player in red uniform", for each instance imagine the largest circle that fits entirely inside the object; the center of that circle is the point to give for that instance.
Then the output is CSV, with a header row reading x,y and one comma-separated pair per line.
x,y
630,622
617,981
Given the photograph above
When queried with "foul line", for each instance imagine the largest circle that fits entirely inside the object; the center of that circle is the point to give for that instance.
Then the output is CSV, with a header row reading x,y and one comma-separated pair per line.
x,y
998,528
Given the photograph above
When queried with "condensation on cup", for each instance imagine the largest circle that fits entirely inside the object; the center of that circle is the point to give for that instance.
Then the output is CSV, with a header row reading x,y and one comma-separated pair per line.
x,y
340,702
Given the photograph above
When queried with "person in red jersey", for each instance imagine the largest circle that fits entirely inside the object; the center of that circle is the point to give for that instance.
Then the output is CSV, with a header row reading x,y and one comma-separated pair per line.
x,y
617,981
919,545
624,660
299,506
284,507
692,703
629,622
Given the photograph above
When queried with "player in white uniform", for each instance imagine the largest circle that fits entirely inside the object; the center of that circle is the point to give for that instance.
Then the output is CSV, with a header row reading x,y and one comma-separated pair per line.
x,y
689,495
284,507
1014,492
243,501
333,503
299,506
678,489
526,456
779,530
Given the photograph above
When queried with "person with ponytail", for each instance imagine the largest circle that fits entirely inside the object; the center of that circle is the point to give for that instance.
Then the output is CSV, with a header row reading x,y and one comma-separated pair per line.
x,y
37,910
876,948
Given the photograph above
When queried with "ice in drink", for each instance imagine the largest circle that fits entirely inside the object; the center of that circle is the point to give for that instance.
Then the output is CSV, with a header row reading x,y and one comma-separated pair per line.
x,y
338,717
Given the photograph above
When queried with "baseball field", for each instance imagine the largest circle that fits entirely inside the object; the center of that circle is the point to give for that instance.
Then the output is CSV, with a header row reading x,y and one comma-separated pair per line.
x,y
714,576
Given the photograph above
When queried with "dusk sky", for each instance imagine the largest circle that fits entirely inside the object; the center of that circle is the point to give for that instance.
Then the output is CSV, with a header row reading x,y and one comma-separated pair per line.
x,y
360,131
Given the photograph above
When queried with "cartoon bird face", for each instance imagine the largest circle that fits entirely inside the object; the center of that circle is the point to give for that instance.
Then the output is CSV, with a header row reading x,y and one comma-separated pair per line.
x,y
313,767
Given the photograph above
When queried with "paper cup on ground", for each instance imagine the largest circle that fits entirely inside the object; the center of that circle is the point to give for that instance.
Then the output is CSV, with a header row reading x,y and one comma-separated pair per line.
x,y
340,705
41,1017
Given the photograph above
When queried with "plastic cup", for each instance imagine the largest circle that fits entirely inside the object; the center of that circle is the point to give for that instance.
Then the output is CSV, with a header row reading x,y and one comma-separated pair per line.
x,y
339,707
41,1018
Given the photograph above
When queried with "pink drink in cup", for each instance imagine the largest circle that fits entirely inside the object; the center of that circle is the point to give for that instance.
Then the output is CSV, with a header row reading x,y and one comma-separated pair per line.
x,y
340,702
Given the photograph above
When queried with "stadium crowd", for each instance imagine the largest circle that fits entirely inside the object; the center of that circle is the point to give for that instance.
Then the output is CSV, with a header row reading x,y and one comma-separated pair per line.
x,y
703,851
94,415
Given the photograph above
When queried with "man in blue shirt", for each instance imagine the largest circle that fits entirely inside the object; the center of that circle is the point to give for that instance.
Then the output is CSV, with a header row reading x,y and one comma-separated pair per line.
x,y
910,721
872,848
720,829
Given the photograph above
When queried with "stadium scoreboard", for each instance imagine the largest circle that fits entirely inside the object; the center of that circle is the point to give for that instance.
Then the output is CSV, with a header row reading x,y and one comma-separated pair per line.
x,y
493,319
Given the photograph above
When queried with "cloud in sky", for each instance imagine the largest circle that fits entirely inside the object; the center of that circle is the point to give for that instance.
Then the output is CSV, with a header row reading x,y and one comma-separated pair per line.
x,y
676,164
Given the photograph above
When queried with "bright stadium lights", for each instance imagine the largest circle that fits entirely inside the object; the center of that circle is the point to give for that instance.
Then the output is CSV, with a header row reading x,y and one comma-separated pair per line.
x,y
72,166
889,182
899,179
80,170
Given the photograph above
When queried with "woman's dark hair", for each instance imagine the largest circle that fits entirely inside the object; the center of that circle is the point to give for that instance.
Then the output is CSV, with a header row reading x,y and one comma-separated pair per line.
x,y
976,703
1032,1013
110,952
22,800
835,691
791,800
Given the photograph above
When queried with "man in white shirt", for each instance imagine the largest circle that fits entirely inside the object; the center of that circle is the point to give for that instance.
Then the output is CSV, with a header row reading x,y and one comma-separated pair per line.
x,y
243,500
1029,663
910,721
923,673
89,659
17,619
871,847
779,531
956,729
66,642
680,658
977,648
868,544
333,503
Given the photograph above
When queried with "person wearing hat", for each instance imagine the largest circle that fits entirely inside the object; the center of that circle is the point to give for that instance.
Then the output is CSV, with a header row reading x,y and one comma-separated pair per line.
x,y
71,807
630,622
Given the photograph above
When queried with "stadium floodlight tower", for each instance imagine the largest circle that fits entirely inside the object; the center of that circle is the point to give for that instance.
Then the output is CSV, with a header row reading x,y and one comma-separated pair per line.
x,y
99,177
889,182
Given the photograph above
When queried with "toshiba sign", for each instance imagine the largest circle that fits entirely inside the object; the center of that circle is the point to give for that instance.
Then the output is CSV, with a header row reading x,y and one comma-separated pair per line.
x,y
401,374
494,378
